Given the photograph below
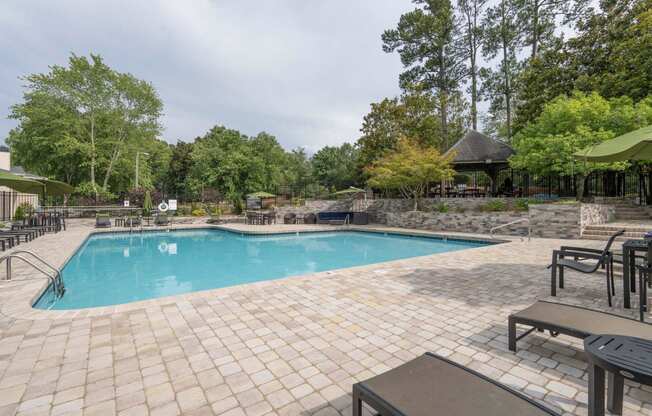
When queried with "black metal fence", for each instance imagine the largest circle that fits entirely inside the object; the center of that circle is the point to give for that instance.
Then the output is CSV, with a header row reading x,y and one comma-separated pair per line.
x,y
11,200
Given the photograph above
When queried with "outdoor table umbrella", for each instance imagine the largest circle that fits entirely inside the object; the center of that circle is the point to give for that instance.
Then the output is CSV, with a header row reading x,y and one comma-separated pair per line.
x,y
20,184
635,145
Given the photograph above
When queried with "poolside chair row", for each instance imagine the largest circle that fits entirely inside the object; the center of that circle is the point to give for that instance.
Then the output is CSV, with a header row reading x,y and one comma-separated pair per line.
x,y
433,385
104,221
28,230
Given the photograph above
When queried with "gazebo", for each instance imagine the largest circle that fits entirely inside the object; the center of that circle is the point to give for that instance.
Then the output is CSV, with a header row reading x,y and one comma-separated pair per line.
x,y
476,152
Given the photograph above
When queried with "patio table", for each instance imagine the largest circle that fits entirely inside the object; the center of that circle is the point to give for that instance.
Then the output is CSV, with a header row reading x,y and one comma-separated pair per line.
x,y
622,357
630,247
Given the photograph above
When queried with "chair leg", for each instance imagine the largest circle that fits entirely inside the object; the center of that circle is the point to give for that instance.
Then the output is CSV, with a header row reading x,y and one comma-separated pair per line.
x,y
553,278
561,277
642,303
609,284
613,283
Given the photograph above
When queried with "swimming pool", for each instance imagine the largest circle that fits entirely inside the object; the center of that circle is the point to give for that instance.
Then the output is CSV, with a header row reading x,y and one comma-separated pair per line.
x,y
116,268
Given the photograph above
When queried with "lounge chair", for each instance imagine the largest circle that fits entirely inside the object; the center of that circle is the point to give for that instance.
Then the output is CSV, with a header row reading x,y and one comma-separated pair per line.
x,y
571,257
102,221
161,219
431,385
574,321
26,235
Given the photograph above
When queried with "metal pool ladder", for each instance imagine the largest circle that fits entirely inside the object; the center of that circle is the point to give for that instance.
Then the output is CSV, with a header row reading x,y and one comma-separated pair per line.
x,y
50,271
498,227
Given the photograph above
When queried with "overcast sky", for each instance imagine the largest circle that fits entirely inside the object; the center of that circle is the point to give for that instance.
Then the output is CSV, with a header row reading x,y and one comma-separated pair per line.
x,y
302,70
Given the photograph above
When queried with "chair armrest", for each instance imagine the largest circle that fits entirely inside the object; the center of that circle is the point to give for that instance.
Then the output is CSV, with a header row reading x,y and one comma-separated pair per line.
x,y
579,254
581,249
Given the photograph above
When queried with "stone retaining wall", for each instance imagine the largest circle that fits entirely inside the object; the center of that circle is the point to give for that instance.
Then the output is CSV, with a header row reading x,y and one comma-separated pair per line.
x,y
594,214
463,215
555,221
471,222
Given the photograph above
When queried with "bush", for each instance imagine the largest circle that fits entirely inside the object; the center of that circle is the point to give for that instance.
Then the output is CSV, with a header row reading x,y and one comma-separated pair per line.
x,y
84,194
443,208
494,206
19,214
199,212
216,212
521,204
183,210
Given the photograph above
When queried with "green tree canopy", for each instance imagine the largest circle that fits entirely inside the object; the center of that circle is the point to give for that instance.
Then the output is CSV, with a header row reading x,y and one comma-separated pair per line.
x,y
409,169
569,124
428,41
335,167
85,121
611,53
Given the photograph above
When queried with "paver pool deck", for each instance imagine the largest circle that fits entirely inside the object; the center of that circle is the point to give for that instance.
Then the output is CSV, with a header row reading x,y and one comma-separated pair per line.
x,y
292,346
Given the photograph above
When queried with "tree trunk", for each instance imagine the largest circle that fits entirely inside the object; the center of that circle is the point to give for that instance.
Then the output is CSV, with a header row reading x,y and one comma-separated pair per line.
x,y
443,104
474,93
443,101
93,157
535,28
109,170
506,75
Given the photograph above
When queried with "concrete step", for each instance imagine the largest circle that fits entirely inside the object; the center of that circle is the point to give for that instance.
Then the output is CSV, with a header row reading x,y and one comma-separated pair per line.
x,y
628,233
613,228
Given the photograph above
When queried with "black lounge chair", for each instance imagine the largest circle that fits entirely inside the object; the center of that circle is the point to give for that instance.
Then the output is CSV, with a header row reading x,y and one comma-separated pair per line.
x,y
27,234
574,321
571,257
102,221
161,219
431,385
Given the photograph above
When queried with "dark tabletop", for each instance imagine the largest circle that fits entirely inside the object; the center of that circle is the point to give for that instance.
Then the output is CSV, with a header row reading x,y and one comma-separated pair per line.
x,y
636,244
628,356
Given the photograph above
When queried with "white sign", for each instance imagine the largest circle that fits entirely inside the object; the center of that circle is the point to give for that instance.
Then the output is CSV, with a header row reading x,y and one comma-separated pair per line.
x,y
172,204
126,203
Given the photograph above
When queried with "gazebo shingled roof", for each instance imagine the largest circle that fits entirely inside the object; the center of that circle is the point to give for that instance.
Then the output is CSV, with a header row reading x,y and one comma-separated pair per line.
x,y
475,151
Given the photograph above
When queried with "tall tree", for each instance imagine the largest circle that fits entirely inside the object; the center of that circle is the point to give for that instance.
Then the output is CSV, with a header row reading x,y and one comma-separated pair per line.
x,y
502,39
179,168
472,34
414,114
335,166
542,18
611,53
86,113
428,42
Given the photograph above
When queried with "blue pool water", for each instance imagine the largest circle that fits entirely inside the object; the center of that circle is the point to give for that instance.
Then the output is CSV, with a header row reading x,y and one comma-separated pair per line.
x,y
116,268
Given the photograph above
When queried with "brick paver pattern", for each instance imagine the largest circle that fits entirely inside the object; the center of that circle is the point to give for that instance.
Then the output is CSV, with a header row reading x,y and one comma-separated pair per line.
x,y
293,346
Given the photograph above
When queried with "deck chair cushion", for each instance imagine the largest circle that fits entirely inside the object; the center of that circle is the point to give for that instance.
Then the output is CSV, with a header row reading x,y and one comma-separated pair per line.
x,y
576,321
431,385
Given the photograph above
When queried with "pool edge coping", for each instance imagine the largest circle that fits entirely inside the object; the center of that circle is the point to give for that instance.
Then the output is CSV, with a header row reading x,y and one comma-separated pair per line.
x,y
29,312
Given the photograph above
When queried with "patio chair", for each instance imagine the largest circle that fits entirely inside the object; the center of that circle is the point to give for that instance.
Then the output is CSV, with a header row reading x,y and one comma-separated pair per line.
x,y
161,219
431,385
102,221
573,258
574,321
644,282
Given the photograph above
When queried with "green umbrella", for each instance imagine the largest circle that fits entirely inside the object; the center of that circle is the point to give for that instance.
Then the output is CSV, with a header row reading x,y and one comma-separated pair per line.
x,y
20,184
56,188
635,145
261,194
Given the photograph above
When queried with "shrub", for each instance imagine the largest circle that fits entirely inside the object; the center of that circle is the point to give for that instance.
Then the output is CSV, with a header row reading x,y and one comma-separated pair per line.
x,y
521,205
443,208
84,194
19,214
494,206
199,212
216,212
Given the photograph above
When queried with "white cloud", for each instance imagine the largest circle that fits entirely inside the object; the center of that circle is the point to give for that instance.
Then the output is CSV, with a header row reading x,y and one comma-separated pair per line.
x,y
304,71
